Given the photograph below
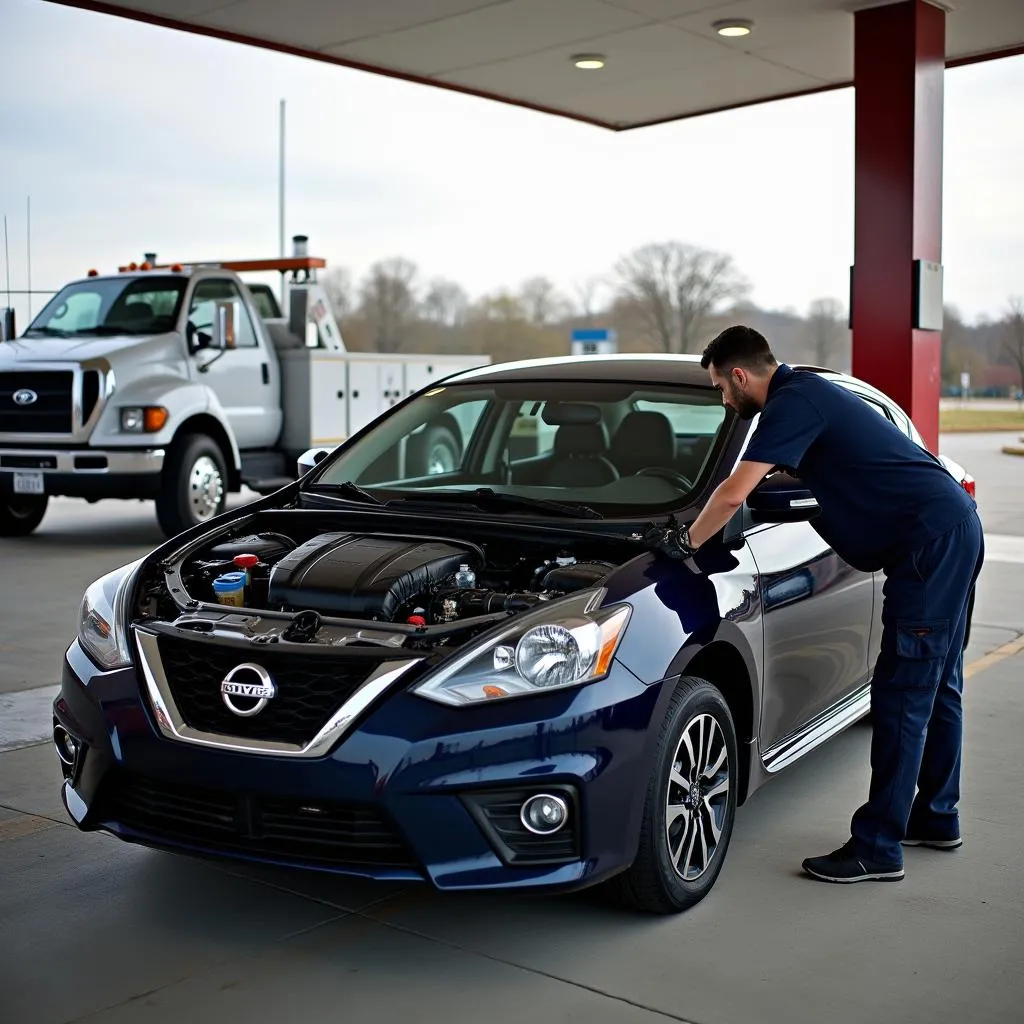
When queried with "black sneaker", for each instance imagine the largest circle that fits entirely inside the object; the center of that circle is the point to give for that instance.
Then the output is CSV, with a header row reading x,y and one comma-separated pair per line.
x,y
844,866
933,843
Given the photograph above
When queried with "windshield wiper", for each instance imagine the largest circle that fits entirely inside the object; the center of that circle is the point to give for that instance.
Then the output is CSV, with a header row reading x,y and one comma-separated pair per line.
x,y
49,332
349,490
111,330
484,496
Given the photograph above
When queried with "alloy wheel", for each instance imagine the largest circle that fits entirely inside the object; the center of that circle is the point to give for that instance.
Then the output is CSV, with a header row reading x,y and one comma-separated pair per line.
x,y
697,798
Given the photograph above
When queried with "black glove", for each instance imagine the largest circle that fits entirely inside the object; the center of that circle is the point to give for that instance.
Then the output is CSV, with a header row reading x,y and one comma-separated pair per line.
x,y
673,542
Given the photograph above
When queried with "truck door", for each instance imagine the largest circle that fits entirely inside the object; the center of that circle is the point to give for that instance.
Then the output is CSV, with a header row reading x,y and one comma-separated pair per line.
x,y
245,378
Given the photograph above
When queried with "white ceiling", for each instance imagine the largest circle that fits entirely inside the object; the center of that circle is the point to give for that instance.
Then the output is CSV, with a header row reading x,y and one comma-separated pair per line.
x,y
664,60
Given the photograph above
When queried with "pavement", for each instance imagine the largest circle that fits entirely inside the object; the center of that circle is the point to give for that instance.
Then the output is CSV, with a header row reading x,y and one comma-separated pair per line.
x,y
93,929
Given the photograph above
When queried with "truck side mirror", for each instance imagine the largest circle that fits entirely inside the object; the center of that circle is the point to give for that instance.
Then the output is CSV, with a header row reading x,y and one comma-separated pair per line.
x,y
782,498
224,330
312,457
8,330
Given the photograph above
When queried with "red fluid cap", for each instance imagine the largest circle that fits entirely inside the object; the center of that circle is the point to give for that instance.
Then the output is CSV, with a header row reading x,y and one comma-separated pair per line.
x,y
245,561
416,620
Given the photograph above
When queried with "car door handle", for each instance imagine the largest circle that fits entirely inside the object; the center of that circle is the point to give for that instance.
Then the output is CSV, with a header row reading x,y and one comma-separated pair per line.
x,y
265,370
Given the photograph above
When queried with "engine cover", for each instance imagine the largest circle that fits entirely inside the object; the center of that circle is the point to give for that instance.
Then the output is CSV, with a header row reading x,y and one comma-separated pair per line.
x,y
364,577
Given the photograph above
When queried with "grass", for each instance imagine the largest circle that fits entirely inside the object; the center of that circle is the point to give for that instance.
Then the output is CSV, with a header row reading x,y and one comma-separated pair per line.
x,y
963,420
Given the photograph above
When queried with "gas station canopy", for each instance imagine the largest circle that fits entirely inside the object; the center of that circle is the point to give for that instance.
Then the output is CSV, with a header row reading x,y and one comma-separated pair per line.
x,y
660,59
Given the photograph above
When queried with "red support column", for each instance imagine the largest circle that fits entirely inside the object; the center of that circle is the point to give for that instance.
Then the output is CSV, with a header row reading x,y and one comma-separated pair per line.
x,y
899,62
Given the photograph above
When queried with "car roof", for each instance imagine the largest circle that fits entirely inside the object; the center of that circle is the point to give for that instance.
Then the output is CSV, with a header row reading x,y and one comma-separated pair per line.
x,y
650,368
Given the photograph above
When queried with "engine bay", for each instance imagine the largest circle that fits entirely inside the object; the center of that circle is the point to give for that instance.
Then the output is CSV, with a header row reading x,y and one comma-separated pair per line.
x,y
297,577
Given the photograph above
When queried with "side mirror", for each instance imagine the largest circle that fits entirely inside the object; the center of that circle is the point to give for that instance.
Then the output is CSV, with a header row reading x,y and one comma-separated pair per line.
x,y
782,498
224,330
312,457
8,330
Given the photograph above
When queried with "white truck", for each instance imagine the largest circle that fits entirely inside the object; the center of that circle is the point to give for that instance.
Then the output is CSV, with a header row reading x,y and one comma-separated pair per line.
x,y
181,383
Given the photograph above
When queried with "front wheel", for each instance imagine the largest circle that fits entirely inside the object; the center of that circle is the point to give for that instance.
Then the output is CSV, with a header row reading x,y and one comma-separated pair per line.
x,y
20,514
689,805
194,485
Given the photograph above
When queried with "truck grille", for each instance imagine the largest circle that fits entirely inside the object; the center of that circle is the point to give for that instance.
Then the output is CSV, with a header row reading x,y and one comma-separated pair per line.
x,y
309,688
51,410
314,832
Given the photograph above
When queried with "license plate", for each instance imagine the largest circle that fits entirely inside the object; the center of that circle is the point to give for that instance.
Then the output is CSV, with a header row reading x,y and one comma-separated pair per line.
x,y
28,483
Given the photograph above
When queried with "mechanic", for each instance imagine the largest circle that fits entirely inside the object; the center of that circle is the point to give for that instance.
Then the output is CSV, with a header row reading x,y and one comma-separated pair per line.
x,y
886,505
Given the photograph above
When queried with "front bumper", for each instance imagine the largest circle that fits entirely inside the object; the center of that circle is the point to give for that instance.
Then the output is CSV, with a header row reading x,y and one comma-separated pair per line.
x,y
416,791
86,472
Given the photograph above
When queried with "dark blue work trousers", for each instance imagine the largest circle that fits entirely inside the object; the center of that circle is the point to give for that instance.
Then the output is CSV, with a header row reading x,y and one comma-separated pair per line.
x,y
917,718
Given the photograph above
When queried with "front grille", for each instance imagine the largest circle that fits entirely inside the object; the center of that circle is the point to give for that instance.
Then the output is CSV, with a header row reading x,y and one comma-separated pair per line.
x,y
497,812
49,413
309,688
314,832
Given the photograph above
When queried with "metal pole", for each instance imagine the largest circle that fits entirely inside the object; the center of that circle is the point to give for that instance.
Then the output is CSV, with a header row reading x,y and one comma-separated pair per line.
x,y
30,258
7,261
280,197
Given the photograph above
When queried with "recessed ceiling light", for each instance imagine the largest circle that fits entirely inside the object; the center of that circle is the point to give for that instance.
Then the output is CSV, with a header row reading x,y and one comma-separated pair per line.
x,y
588,61
733,27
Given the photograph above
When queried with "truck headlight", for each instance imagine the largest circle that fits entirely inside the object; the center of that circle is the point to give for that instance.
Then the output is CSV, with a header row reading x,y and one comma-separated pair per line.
x,y
564,644
143,419
102,622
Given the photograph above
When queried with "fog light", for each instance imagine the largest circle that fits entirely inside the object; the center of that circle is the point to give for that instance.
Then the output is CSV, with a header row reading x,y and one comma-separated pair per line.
x,y
544,814
67,748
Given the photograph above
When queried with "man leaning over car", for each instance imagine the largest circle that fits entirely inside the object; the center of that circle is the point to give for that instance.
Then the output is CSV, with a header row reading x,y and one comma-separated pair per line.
x,y
886,504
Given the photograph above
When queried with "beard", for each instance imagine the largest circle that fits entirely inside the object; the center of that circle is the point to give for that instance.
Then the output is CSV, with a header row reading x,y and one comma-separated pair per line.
x,y
746,408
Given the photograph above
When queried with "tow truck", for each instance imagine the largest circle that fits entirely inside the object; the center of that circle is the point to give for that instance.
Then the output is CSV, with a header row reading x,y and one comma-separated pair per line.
x,y
180,383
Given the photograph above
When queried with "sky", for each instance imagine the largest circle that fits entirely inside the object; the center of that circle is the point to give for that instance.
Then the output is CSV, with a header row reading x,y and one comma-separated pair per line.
x,y
130,138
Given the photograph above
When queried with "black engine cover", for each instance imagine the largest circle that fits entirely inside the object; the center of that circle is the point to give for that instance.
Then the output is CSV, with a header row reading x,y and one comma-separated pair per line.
x,y
363,577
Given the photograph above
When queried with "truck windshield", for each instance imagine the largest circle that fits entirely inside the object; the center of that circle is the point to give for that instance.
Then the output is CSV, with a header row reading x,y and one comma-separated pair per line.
x,y
617,448
110,306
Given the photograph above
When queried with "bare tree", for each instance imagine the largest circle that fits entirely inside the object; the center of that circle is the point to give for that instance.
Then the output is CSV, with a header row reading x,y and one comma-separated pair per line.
x,y
1013,335
338,285
587,292
388,301
827,330
445,303
675,287
541,302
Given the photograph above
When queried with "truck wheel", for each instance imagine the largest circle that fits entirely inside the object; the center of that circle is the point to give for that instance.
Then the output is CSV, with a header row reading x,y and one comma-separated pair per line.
x,y
441,452
194,485
21,514
689,806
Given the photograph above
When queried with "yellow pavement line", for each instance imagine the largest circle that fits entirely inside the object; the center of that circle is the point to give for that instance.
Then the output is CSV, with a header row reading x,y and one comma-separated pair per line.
x,y
1008,650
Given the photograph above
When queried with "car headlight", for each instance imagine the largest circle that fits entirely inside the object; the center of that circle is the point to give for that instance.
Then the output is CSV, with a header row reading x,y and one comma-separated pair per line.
x,y
102,623
567,643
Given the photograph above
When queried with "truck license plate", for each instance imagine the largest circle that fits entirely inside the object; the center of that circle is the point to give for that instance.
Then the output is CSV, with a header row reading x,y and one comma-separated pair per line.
x,y
28,483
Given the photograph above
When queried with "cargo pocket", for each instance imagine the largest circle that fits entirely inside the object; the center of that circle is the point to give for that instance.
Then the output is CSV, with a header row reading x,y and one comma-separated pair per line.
x,y
921,649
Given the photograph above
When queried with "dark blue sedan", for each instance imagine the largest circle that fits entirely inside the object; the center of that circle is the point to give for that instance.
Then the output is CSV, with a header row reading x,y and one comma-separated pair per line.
x,y
446,653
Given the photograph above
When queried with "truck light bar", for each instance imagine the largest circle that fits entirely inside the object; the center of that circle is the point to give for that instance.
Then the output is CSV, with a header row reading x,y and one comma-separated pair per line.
x,y
285,264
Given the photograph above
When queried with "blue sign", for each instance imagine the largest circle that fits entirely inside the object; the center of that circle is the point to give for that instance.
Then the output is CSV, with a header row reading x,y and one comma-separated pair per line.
x,y
592,334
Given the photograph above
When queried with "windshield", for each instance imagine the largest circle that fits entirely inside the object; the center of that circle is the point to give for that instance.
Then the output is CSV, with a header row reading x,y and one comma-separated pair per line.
x,y
109,306
621,448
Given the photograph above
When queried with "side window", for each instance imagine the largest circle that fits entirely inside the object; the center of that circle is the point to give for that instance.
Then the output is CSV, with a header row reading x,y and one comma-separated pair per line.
x,y
201,311
530,434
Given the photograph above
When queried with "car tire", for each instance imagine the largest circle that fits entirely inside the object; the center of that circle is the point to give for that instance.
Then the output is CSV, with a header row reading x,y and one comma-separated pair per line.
x,y
21,514
442,452
194,485
688,817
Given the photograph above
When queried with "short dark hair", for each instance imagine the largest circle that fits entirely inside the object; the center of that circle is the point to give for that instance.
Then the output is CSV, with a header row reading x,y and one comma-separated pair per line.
x,y
738,346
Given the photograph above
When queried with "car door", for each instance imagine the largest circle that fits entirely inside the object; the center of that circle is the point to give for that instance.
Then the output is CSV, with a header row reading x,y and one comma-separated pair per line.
x,y
817,617
243,378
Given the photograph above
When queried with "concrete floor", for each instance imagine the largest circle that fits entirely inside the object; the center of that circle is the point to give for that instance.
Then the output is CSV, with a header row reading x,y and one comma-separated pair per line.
x,y
92,929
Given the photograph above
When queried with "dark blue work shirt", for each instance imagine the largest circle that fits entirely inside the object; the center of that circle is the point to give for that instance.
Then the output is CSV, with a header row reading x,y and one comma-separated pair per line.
x,y
880,493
